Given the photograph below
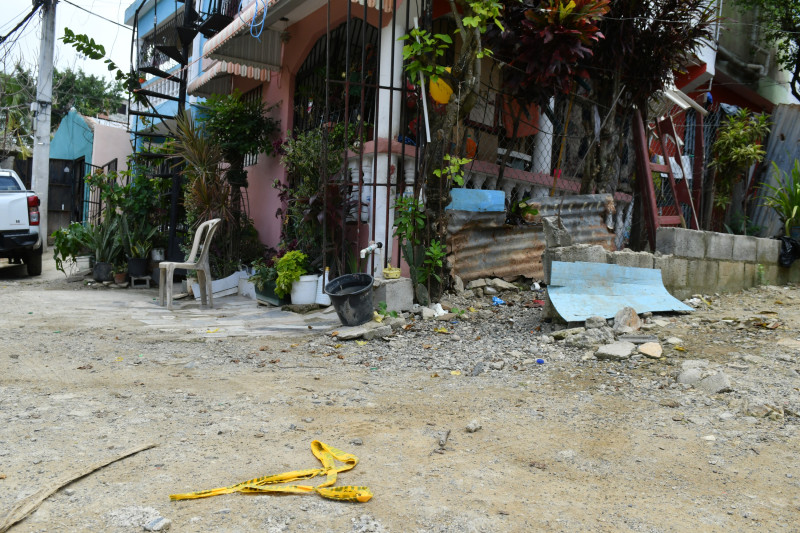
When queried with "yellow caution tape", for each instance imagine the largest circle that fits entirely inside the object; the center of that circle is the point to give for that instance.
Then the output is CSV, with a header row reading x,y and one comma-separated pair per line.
x,y
326,454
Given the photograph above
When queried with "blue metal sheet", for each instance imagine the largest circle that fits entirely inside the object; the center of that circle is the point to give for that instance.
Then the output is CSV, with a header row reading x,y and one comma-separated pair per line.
x,y
477,200
580,290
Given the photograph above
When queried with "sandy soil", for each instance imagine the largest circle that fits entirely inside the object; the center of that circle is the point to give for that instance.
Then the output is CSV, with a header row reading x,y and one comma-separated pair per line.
x,y
575,444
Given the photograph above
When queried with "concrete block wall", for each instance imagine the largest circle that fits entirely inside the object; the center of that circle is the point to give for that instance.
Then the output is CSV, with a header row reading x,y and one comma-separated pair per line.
x,y
693,262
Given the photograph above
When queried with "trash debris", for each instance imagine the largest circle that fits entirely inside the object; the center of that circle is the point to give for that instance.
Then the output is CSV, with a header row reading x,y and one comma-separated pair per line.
x,y
540,361
326,454
497,301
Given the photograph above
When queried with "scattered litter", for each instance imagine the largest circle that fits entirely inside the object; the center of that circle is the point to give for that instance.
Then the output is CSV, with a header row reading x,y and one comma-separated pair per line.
x,y
455,372
540,361
326,455
497,301
361,343
442,330
212,330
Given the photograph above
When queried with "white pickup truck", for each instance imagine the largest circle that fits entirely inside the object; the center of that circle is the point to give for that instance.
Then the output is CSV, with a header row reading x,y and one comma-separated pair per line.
x,y
19,223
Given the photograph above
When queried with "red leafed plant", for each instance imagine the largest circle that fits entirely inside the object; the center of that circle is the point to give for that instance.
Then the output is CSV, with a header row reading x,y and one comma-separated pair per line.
x,y
543,43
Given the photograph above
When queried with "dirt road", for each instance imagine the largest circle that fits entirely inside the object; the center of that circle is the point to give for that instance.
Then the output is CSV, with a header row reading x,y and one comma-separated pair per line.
x,y
574,444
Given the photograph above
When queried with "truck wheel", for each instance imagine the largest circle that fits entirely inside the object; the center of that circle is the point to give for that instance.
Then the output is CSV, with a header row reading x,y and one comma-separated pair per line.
x,y
34,263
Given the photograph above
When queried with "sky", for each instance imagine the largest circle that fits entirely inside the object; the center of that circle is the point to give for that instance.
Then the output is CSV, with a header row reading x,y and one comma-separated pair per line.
x,y
115,39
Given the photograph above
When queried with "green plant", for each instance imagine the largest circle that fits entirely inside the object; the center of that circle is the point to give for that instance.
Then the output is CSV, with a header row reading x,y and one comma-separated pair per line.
x,y
409,221
738,146
120,267
69,243
289,269
104,241
761,275
433,262
382,309
263,273
784,197
453,169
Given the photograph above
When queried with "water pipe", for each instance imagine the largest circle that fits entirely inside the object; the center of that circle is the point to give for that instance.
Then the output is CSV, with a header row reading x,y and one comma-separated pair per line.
x,y
371,248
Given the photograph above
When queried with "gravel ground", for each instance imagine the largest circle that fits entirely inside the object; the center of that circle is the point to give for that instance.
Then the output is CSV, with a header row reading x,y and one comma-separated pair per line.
x,y
481,420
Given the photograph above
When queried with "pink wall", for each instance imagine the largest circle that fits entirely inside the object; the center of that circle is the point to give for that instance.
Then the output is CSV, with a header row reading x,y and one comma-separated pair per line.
x,y
264,199
109,143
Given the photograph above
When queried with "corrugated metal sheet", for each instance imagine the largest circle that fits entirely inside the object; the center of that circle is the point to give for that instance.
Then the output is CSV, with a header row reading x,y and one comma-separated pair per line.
x,y
581,290
482,245
783,148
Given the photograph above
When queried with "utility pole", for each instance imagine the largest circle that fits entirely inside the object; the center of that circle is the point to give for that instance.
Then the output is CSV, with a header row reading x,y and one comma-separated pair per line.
x,y
40,181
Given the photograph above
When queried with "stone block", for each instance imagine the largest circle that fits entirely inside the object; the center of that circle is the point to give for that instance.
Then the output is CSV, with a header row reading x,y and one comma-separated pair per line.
x,y
666,240
631,259
673,271
719,246
750,275
731,276
587,254
794,272
397,293
775,274
767,251
745,248
681,242
702,275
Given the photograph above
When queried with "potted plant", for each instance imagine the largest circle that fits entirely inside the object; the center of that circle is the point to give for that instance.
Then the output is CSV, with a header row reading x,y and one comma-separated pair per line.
x,y
264,276
291,278
103,241
68,244
120,271
784,198
137,238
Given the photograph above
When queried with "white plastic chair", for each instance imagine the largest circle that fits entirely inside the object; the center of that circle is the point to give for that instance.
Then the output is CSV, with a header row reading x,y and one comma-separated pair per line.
x,y
202,243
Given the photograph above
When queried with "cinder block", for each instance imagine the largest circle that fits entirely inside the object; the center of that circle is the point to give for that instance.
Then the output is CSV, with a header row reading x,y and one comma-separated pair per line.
x,y
794,272
750,275
731,276
674,271
397,293
702,275
631,259
767,251
745,248
775,275
666,240
719,246
690,243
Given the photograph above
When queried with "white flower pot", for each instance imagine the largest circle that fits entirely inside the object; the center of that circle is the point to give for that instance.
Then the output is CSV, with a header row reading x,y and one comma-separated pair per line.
x,y
304,290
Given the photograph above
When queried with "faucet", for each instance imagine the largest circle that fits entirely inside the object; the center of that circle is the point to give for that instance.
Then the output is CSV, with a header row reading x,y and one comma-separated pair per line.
x,y
371,248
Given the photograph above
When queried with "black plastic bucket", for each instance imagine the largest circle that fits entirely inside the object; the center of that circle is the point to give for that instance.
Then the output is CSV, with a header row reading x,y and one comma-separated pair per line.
x,y
351,296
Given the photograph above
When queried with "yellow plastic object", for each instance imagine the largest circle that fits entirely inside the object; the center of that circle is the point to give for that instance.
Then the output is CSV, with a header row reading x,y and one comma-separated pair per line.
x,y
391,273
440,90
327,455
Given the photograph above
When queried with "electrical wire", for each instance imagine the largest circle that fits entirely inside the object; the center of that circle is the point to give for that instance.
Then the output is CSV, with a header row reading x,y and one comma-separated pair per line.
x,y
24,21
98,16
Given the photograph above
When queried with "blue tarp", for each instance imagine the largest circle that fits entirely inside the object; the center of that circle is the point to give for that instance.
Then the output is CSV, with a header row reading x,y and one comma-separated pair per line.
x,y
580,290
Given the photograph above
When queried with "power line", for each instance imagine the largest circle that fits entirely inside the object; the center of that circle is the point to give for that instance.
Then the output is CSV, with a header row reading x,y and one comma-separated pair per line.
x,y
36,7
96,15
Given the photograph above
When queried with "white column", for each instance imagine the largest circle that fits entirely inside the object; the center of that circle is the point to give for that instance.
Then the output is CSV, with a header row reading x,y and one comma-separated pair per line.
x,y
543,151
387,126
40,179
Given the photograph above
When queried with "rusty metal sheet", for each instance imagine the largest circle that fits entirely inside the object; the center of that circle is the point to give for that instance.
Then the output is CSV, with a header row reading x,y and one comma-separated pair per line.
x,y
482,245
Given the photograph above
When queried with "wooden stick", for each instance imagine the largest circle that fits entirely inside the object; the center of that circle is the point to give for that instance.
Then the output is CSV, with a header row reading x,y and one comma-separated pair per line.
x,y
28,505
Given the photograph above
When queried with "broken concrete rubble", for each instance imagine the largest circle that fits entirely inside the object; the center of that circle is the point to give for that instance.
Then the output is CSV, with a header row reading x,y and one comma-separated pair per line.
x,y
615,351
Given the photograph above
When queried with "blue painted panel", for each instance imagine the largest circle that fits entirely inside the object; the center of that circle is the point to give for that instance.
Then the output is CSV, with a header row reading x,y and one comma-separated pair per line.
x,y
580,290
477,200
73,139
